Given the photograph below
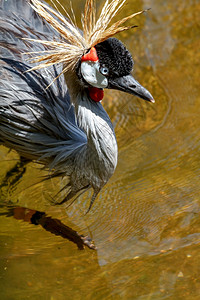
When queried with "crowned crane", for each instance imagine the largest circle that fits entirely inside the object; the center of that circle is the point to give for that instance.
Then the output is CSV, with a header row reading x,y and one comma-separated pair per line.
x,y
54,118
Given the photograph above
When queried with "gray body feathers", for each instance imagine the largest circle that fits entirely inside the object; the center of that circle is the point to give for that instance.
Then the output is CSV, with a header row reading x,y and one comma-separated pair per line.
x,y
42,124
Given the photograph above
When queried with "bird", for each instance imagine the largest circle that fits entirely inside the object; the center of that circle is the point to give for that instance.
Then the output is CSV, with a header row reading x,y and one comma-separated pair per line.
x,y
52,80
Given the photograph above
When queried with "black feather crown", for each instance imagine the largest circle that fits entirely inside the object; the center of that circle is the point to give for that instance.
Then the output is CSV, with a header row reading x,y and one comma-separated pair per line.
x,y
114,55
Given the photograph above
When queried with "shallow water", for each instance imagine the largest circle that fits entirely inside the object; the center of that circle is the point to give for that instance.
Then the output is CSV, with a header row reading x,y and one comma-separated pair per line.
x,y
145,222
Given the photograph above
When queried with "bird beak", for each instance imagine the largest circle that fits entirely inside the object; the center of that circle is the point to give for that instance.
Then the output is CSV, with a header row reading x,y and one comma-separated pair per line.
x,y
129,85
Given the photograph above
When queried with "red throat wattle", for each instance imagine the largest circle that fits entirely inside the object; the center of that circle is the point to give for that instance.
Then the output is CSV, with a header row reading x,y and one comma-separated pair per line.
x,y
96,94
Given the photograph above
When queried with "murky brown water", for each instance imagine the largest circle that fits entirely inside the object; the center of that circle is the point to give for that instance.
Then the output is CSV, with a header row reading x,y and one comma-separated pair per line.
x,y
146,221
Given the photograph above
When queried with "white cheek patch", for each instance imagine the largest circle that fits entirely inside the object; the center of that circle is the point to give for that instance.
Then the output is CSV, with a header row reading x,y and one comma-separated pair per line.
x,y
91,74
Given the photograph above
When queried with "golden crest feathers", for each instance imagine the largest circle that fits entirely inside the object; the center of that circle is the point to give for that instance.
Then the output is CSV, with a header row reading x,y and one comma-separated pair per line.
x,y
74,43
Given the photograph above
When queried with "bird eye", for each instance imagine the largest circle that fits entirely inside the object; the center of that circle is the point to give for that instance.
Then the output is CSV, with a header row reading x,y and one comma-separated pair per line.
x,y
104,70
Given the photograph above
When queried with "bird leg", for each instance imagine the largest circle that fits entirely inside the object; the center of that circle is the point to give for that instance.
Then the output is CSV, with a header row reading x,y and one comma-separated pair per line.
x,y
72,194
50,224
92,200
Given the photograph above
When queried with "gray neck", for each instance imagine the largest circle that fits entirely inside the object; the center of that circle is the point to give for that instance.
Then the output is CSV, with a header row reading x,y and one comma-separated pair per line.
x,y
101,151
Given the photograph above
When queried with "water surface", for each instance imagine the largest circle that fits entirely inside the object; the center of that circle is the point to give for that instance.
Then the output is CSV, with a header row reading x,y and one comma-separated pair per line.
x,y
145,222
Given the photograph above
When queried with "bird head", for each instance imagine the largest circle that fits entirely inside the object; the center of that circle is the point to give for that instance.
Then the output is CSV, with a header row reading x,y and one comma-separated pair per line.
x,y
99,60
109,65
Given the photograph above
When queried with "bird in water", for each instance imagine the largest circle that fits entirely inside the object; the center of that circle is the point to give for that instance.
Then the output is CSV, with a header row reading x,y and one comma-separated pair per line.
x,y
52,79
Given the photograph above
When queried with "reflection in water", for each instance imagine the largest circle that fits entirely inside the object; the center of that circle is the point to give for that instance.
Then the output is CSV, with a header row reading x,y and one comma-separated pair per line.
x,y
146,221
